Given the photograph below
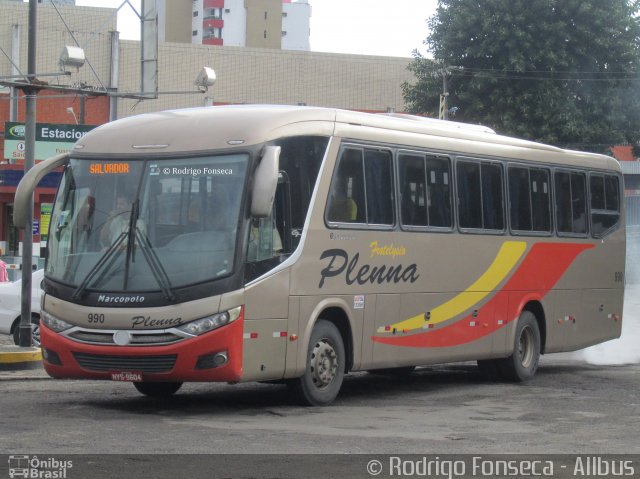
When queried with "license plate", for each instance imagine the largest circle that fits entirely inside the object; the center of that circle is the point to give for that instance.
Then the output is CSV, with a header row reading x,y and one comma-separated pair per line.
x,y
128,376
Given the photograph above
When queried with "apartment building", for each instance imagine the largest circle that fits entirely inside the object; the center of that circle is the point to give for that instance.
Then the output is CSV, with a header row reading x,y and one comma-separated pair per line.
x,y
276,24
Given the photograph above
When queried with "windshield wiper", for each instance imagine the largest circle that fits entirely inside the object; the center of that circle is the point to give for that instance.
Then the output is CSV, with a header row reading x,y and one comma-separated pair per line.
x,y
159,273
98,266
115,246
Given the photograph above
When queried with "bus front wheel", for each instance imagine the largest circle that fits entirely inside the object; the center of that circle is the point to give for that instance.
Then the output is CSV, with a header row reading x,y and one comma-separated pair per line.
x,y
523,363
162,389
324,372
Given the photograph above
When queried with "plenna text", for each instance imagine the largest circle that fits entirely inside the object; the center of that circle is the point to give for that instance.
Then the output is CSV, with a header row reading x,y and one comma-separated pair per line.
x,y
340,263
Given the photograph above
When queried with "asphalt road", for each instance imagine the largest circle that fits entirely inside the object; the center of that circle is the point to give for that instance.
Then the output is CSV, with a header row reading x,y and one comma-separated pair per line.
x,y
569,407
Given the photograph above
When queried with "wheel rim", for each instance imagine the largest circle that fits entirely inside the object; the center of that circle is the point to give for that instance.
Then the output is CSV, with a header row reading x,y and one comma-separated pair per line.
x,y
35,334
324,364
526,346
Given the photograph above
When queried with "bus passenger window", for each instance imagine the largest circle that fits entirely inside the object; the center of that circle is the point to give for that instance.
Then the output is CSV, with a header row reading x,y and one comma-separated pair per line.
x,y
570,207
425,191
520,199
605,203
346,201
469,195
439,192
480,198
379,184
350,200
540,200
413,202
579,202
492,203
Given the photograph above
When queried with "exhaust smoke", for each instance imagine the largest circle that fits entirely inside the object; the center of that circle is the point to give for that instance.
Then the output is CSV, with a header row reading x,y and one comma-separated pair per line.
x,y
626,349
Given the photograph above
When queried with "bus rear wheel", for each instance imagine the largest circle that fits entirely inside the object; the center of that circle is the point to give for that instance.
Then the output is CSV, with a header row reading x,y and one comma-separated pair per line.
x,y
523,363
324,372
162,389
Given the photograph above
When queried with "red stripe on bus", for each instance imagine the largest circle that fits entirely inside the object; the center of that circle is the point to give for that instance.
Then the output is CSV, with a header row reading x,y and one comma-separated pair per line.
x,y
541,269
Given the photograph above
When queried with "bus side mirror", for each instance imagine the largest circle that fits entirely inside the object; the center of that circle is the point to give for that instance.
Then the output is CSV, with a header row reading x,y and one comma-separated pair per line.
x,y
265,182
24,192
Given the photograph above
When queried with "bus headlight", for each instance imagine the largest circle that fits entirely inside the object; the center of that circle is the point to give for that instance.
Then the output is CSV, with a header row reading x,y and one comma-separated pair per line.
x,y
56,324
204,325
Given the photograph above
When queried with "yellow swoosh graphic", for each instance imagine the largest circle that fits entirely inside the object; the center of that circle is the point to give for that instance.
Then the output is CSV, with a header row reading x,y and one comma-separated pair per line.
x,y
508,256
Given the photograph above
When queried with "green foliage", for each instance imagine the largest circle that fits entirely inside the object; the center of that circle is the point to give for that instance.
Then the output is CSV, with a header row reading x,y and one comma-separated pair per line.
x,y
564,72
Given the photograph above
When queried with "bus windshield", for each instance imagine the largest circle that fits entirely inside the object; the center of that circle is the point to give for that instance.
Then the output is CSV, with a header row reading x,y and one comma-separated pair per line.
x,y
134,226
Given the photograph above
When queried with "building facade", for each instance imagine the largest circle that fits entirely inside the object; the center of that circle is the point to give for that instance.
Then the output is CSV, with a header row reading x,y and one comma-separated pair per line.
x,y
277,24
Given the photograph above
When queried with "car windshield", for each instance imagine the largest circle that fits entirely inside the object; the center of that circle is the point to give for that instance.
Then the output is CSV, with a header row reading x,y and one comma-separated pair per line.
x,y
135,226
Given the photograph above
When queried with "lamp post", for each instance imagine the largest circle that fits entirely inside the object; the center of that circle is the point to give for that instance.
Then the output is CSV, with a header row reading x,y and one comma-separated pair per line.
x,y
71,56
29,161
444,73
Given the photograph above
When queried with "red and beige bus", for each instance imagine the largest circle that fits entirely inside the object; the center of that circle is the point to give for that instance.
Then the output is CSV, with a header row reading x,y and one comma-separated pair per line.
x,y
297,244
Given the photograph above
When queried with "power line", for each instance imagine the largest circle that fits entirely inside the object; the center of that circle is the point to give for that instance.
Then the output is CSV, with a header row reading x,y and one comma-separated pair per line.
x,y
550,71
483,74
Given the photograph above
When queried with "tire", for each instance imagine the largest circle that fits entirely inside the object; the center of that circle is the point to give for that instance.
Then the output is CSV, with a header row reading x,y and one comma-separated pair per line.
x,y
35,331
523,363
162,389
324,371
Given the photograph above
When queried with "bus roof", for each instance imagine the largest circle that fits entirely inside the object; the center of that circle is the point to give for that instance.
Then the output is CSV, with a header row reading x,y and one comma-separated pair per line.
x,y
238,126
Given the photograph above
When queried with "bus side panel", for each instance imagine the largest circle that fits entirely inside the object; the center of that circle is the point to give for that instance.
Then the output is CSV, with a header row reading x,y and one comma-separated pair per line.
x,y
564,305
433,346
600,319
264,349
266,327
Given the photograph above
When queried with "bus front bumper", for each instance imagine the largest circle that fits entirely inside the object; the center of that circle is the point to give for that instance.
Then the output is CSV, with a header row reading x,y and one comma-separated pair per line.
x,y
213,356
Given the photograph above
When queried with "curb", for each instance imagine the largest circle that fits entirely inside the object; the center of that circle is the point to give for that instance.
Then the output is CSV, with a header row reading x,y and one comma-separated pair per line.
x,y
16,358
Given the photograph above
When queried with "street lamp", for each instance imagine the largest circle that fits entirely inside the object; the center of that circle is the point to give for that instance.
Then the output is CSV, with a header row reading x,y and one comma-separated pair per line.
x,y
72,113
205,78
71,57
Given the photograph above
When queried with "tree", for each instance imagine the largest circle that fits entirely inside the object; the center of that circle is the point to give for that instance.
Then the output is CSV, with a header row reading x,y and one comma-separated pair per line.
x,y
564,72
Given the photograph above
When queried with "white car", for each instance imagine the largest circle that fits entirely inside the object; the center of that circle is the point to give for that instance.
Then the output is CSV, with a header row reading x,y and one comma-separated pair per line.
x,y
10,305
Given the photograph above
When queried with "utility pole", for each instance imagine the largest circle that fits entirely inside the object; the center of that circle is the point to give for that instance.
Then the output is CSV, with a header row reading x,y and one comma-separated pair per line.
x,y
29,161
444,72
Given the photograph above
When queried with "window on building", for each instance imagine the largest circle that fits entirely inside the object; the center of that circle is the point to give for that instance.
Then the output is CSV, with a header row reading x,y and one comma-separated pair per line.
x,y
284,34
194,33
215,13
195,14
284,14
265,34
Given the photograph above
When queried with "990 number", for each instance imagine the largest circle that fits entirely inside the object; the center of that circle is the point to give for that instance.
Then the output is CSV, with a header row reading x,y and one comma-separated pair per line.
x,y
95,318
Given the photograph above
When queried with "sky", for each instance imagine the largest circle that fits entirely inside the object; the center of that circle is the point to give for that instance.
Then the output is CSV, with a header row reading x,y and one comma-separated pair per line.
x,y
364,27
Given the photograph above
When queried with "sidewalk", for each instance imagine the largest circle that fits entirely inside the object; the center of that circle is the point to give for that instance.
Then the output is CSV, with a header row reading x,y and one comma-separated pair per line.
x,y
20,363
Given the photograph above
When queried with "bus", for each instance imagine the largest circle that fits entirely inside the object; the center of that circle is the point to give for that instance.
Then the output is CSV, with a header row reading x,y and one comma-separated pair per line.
x,y
298,244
